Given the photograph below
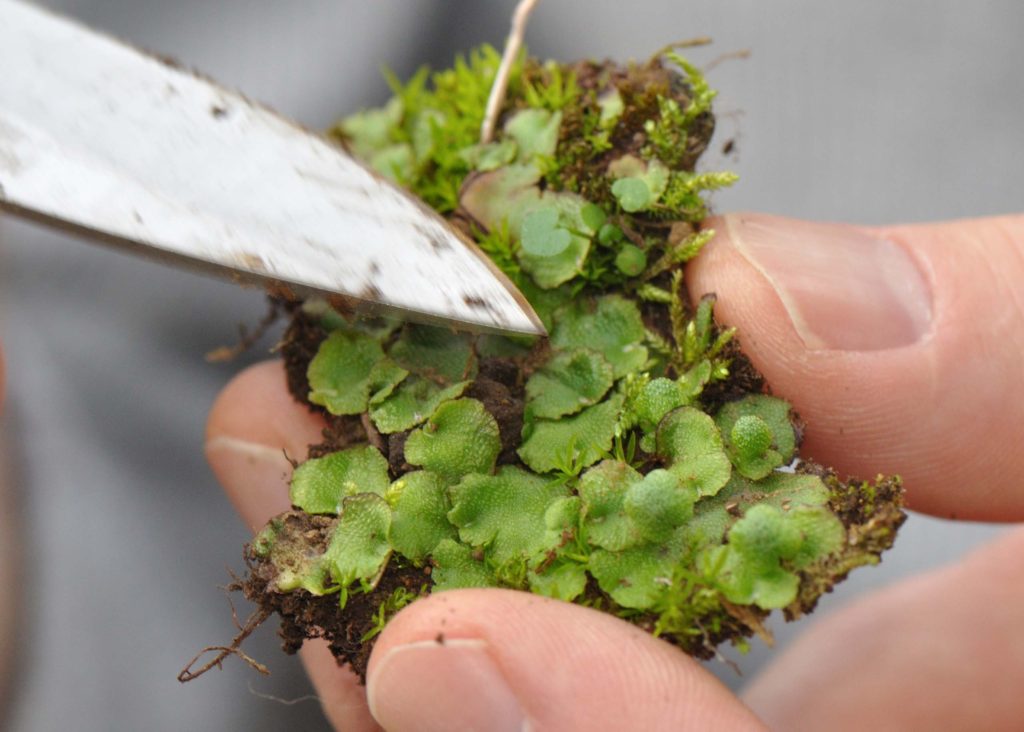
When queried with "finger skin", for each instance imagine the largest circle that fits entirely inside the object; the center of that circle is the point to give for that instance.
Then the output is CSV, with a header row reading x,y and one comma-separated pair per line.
x,y
945,413
942,651
573,668
253,423
3,376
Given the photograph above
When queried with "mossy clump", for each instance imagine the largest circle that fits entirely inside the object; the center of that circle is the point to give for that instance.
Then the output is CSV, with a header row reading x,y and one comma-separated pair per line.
x,y
629,462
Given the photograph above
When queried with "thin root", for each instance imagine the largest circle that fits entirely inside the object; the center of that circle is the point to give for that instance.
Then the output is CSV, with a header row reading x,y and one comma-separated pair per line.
x,y
234,649
246,340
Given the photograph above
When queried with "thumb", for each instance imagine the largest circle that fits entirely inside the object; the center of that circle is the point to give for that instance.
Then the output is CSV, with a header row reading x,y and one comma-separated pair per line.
x,y
505,660
901,347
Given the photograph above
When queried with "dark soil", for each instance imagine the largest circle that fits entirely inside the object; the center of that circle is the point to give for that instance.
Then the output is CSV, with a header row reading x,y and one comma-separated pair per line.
x,y
298,346
497,387
304,615
743,379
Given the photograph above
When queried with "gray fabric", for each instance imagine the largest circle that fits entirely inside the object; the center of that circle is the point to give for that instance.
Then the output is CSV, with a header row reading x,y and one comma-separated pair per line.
x,y
868,112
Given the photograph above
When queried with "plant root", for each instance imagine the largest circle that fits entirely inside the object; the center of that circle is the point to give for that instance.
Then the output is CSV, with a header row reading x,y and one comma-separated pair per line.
x,y
254,621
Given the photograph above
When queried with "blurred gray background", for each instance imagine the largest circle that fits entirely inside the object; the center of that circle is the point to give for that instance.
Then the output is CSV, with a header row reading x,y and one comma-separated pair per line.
x,y
870,112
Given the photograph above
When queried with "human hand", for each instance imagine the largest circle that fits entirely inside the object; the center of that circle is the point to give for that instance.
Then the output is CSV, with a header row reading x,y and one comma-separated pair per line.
x,y
901,347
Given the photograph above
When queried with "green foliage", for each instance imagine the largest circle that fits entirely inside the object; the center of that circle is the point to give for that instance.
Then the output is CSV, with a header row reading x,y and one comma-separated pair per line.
x,y
623,509
420,514
554,89
762,414
633,194
573,442
460,438
612,326
623,492
765,546
569,382
456,567
639,184
347,370
320,485
637,578
683,197
359,548
535,132
555,239
435,353
701,93
692,444
503,514
392,604
751,447
541,235
436,117
559,571
412,403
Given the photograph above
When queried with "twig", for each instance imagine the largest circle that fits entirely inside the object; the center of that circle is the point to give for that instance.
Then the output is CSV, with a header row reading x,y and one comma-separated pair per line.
x,y
508,58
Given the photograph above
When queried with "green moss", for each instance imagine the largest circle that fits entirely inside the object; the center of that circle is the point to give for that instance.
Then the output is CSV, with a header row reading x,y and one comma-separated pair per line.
x,y
623,463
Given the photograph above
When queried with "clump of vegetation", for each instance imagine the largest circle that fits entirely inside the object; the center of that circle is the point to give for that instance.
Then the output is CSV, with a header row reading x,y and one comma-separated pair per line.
x,y
630,462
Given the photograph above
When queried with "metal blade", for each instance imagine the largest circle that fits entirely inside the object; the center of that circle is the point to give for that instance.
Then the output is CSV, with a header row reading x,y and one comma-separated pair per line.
x,y
133,150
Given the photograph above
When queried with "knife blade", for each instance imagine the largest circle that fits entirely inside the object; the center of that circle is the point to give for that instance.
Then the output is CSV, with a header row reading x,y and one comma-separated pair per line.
x,y
133,150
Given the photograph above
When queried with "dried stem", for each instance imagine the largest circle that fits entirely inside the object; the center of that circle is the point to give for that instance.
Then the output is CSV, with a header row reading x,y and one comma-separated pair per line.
x,y
508,58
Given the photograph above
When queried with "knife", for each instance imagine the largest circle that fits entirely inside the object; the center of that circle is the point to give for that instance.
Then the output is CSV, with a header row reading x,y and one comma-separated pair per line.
x,y
130,149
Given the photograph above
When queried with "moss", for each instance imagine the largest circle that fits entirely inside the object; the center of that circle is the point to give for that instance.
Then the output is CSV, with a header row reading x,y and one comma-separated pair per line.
x,y
629,462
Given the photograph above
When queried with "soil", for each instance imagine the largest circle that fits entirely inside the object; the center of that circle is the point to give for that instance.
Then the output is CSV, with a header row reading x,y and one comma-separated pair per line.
x,y
304,615
497,387
299,344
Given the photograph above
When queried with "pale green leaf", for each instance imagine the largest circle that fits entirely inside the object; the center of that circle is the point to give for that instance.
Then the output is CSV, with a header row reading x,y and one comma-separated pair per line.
x,y
461,437
504,513
611,325
412,403
563,579
689,439
568,382
751,447
436,353
657,398
340,373
631,260
637,577
773,411
420,514
319,485
659,504
579,440
535,131
455,568
602,490
541,236
359,547
632,194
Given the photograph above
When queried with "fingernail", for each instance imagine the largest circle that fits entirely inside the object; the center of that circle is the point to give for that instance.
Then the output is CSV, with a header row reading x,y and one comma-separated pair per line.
x,y
443,685
254,476
843,288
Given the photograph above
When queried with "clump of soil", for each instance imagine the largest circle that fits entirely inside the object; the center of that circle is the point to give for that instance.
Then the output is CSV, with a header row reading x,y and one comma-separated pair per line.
x,y
350,634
